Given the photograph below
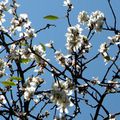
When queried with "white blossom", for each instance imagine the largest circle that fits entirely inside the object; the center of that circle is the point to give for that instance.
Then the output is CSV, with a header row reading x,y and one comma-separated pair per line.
x,y
113,86
23,16
76,41
50,44
73,38
22,24
67,3
39,52
82,89
30,86
60,96
36,100
104,52
2,100
96,21
83,17
60,58
2,19
115,39
95,80
2,67
3,5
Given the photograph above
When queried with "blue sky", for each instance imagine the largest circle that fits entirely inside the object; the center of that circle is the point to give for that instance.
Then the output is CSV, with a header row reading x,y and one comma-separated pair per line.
x,y
37,9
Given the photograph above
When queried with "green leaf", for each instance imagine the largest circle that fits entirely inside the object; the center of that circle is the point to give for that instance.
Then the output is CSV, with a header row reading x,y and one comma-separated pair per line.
x,y
51,17
23,60
8,83
15,78
43,47
23,44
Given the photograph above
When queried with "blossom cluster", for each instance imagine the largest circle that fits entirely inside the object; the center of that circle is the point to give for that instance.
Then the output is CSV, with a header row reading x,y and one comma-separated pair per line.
x,y
39,56
76,42
18,24
60,93
63,60
93,21
3,8
2,67
30,86
65,91
104,51
115,39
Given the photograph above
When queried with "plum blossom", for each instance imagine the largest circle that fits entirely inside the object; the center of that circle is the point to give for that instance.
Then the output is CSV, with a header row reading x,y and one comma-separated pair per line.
x,y
50,44
3,5
30,86
68,3
76,41
64,60
25,53
60,58
115,39
104,51
93,21
14,7
29,33
95,80
73,38
2,100
83,17
96,21
14,53
82,89
22,23
112,86
39,51
2,19
2,67
60,95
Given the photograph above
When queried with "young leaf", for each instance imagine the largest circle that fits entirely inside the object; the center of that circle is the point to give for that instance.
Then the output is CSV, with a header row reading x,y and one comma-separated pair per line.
x,y
8,83
51,17
15,78
43,47
24,60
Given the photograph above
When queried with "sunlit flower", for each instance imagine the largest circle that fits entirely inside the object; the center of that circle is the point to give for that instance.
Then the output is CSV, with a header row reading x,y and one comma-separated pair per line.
x,y
50,44
60,96
67,3
2,100
112,86
60,58
83,17
115,39
3,5
23,16
95,81
30,86
96,21
2,19
82,89
76,42
73,38
104,52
